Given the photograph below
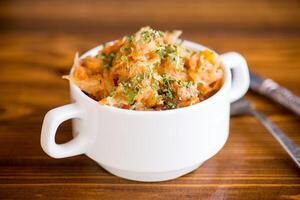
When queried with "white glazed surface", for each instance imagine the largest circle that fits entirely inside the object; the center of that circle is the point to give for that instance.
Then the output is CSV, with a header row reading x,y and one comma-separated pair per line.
x,y
148,145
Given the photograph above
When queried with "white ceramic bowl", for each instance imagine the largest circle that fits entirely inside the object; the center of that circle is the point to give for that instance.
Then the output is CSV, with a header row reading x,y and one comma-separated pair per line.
x,y
148,145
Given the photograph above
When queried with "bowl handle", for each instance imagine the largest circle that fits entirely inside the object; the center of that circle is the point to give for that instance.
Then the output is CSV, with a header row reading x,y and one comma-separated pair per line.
x,y
52,120
240,74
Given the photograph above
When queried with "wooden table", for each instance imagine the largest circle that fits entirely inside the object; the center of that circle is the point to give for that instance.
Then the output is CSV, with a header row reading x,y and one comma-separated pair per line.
x,y
37,42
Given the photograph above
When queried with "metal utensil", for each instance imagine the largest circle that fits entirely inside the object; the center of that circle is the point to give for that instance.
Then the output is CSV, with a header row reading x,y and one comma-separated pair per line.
x,y
243,107
274,91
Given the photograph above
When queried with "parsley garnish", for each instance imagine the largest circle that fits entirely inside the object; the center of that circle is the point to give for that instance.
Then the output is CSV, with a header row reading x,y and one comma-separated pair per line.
x,y
146,36
136,80
169,51
168,92
126,49
186,84
174,59
155,85
112,92
171,105
130,38
150,34
199,84
161,51
130,96
108,59
171,48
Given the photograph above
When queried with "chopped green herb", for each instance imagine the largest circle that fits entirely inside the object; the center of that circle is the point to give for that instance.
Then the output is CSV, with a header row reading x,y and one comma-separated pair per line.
x,y
146,36
155,85
171,48
161,51
199,84
167,89
171,105
160,33
108,59
175,59
130,96
126,85
186,84
130,38
171,52
169,94
126,49
150,34
189,84
136,80
112,92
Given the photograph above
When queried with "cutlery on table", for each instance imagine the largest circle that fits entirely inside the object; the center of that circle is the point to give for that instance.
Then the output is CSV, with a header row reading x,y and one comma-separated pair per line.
x,y
274,91
243,107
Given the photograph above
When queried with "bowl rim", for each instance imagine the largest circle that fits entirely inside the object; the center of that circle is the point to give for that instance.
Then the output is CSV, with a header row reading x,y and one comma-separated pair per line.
x,y
186,43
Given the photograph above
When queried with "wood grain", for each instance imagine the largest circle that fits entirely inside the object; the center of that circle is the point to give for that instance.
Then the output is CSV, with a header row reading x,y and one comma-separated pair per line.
x,y
37,42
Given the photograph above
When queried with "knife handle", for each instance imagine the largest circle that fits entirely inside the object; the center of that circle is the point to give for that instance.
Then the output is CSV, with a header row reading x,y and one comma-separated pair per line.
x,y
280,94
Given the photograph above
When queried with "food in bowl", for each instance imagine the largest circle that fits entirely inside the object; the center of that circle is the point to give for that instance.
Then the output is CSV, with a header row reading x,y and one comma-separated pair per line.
x,y
149,70
148,145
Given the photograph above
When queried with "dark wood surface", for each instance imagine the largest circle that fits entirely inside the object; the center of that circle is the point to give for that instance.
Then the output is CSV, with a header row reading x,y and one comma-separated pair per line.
x,y
37,42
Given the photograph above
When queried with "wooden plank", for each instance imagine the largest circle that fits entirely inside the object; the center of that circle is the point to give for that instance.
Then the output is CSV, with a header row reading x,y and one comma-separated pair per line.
x,y
37,42
195,15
